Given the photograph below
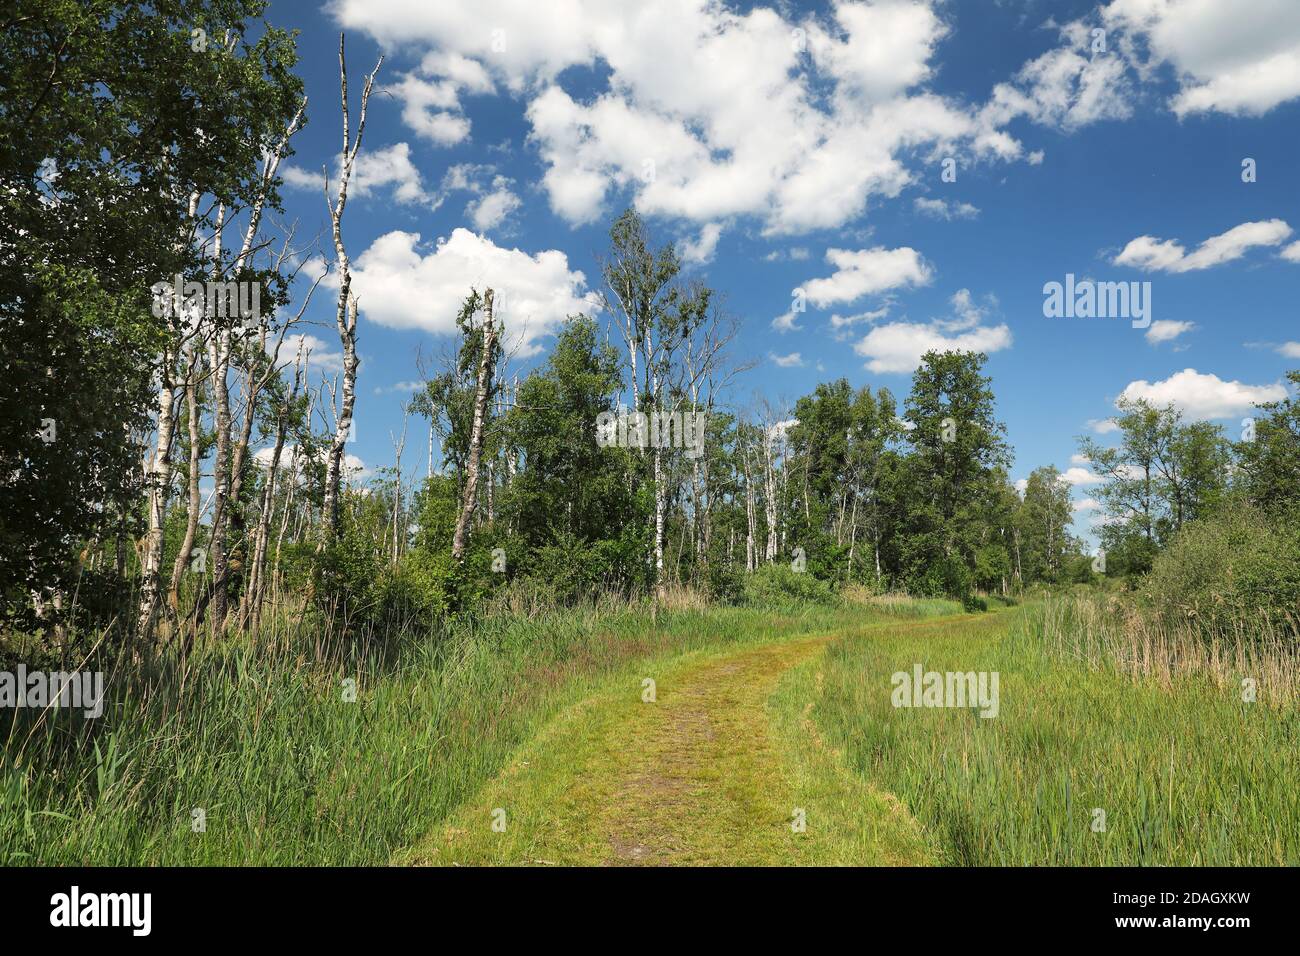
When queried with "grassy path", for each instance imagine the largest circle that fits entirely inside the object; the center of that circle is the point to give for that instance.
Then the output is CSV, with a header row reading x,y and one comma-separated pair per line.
x,y
717,769
1083,765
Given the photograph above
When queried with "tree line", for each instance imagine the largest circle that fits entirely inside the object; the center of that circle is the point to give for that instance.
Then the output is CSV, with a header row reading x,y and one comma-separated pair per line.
x,y
114,411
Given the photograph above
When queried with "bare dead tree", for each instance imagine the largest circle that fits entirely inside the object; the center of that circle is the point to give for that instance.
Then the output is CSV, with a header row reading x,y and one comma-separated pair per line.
x,y
346,314
399,445
228,463
251,608
192,382
258,373
773,454
708,374
751,517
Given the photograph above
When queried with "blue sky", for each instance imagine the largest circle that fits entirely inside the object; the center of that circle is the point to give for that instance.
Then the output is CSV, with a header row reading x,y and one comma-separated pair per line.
x,y
802,146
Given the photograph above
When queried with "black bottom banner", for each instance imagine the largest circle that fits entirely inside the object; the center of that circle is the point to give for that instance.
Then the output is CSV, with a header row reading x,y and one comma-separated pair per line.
x,y
336,905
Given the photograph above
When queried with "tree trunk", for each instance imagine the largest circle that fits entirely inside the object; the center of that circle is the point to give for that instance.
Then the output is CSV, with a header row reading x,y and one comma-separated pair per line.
x,y
251,608
399,446
853,535
486,364
159,478
661,509
219,353
751,517
192,510
770,492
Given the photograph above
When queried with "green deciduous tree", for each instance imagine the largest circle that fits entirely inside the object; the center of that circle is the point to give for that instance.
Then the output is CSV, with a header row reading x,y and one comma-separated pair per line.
x,y
1162,474
115,119
1043,522
957,445
1269,461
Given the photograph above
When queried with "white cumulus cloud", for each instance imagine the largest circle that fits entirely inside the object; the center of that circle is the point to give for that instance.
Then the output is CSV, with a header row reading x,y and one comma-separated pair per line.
x,y
1238,58
1204,396
1166,330
1168,255
700,250
898,346
711,109
387,166
402,285
867,272
1079,476
491,208
318,354
430,95
943,209
1069,86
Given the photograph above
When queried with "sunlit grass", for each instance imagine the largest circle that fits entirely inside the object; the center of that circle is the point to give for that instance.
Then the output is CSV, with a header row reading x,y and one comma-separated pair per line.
x,y
259,737
1184,770
257,734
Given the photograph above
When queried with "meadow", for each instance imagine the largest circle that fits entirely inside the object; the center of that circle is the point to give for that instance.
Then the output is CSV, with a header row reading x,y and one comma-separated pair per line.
x,y
287,771
254,755
1184,770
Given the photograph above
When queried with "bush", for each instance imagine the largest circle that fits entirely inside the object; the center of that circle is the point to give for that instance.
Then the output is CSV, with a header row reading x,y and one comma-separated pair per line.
x,y
947,577
356,585
428,582
780,584
1231,568
573,571
724,583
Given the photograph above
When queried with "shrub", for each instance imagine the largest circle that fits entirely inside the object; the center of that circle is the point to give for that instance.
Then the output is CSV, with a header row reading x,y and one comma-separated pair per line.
x,y
948,577
1233,567
427,580
725,584
779,583
573,571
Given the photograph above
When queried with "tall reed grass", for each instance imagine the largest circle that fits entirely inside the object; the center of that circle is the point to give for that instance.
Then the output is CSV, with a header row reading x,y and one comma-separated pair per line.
x,y
257,733
1116,743
1106,631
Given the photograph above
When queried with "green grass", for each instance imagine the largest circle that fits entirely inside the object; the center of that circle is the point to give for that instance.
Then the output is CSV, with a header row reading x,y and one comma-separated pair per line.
x,y
715,770
760,710
288,773
1187,773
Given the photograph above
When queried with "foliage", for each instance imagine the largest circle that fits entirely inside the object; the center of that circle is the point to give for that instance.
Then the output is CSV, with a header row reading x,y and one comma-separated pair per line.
x,y
1162,474
1238,563
781,584
112,120
1269,462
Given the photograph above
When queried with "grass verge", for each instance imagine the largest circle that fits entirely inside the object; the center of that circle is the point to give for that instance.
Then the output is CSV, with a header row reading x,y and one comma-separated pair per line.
x,y
1185,772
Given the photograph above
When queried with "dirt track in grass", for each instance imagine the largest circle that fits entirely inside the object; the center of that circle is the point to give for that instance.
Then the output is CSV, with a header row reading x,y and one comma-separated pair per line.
x,y
720,769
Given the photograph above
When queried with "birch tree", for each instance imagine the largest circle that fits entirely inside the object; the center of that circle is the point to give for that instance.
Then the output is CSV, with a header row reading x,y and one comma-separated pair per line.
x,y
158,467
346,313
482,390
656,316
